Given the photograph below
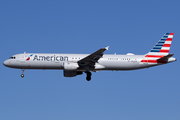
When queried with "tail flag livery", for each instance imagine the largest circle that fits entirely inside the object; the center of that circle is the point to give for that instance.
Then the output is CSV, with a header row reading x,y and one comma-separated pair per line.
x,y
160,52
163,46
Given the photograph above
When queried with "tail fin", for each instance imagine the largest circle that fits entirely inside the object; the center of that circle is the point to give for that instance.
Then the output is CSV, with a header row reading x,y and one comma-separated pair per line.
x,y
163,46
160,52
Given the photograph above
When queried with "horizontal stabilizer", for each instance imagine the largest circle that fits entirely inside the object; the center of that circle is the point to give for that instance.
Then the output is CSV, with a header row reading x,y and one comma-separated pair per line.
x,y
166,57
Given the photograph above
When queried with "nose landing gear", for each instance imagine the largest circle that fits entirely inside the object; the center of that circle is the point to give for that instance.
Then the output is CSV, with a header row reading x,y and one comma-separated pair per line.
x,y
88,78
22,75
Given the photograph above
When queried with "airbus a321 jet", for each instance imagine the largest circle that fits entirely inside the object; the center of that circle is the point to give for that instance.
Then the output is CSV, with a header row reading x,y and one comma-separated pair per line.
x,y
76,64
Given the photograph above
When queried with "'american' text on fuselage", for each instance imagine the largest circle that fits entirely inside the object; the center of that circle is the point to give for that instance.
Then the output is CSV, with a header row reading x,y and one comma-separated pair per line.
x,y
50,58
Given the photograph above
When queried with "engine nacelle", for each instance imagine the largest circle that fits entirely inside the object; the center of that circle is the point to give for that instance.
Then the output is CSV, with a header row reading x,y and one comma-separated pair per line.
x,y
70,73
70,66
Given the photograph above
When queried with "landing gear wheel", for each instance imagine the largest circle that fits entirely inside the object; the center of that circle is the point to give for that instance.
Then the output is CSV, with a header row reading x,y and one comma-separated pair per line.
x,y
88,78
22,75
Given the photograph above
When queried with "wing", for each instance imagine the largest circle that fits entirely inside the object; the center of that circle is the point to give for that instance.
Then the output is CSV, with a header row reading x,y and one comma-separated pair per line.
x,y
89,61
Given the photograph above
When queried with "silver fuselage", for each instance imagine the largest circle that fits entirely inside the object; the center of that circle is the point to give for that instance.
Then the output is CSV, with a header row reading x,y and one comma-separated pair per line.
x,y
57,61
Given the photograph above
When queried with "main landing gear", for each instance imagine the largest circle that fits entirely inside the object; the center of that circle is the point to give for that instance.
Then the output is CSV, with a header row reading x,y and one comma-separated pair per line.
x,y
88,78
22,75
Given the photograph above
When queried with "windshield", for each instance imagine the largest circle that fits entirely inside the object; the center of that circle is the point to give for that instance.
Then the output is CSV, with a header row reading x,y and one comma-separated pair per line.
x,y
12,58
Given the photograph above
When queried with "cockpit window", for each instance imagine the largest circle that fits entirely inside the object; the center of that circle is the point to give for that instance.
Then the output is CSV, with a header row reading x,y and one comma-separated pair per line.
x,y
12,58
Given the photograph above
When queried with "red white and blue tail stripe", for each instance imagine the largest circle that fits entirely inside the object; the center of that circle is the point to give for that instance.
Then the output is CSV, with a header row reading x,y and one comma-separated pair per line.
x,y
160,50
163,46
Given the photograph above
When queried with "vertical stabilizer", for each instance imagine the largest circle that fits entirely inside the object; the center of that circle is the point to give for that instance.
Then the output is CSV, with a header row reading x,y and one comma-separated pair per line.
x,y
163,46
160,52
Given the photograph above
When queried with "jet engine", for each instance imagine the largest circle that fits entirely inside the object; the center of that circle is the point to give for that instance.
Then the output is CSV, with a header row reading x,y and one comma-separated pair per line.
x,y
70,69
70,66
70,73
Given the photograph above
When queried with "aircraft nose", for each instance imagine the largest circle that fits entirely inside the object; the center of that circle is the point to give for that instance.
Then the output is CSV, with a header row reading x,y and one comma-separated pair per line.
x,y
5,63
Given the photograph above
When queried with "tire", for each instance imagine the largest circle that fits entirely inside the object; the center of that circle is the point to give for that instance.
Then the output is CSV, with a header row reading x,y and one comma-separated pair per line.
x,y
88,78
22,75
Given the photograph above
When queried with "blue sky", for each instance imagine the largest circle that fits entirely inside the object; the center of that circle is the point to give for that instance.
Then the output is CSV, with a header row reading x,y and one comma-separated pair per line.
x,y
84,26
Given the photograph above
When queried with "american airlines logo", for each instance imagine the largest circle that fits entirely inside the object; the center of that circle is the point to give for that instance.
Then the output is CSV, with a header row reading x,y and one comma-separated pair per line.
x,y
50,58
29,57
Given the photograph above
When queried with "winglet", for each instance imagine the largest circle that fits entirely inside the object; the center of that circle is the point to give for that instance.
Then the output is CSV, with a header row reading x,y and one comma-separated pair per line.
x,y
107,47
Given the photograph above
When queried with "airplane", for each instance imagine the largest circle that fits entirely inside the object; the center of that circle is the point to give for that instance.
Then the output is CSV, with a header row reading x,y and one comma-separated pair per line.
x,y
75,64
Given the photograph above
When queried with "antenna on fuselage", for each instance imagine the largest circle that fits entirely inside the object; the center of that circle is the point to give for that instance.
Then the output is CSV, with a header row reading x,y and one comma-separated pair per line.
x,y
24,53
